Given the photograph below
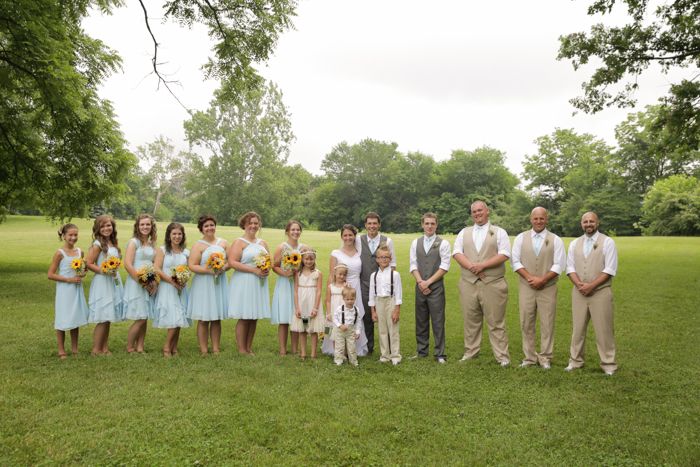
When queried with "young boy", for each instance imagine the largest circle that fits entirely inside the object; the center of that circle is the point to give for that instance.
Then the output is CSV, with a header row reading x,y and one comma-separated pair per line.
x,y
385,301
347,328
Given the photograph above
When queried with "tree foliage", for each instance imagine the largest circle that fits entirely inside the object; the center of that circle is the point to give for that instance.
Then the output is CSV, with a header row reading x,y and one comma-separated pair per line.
x,y
574,173
671,39
60,146
672,207
246,145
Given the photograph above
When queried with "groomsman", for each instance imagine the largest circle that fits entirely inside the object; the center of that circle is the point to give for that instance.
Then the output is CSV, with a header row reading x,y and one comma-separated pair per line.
x,y
482,250
367,245
591,265
429,261
539,259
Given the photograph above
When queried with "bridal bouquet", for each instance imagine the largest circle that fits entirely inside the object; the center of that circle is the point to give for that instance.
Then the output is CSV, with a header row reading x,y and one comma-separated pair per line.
x,y
216,263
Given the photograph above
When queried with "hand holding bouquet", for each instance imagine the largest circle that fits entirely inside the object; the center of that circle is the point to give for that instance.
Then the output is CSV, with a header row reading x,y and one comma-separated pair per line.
x,y
264,263
148,279
216,263
78,265
110,267
181,275
291,260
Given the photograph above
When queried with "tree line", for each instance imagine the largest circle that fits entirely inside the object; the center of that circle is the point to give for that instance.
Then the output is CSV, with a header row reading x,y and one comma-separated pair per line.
x,y
239,161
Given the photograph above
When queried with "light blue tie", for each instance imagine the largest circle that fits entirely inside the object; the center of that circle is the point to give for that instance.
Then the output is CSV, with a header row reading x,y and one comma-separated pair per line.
x,y
427,243
588,246
372,245
538,244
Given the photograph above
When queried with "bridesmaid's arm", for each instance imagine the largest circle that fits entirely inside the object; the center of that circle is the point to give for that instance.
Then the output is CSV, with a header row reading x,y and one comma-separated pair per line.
x,y
53,268
91,259
129,261
158,265
297,310
195,258
333,263
234,259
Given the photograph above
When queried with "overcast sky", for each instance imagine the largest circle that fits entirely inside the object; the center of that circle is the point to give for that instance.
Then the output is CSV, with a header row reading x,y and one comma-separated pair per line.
x,y
431,76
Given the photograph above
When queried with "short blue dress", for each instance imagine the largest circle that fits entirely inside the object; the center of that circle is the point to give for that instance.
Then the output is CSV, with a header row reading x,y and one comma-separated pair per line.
x,y
171,306
283,297
71,307
137,303
208,298
106,293
249,295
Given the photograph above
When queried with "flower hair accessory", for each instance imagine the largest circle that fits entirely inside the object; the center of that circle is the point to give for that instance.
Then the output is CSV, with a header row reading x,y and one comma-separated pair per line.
x,y
340,266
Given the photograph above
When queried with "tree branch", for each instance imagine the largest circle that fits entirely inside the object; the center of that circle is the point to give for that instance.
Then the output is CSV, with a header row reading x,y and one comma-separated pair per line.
x,y
155,63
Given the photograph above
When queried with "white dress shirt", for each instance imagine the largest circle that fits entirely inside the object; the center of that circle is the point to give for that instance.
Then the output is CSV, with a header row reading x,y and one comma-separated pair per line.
x,y
444,252
384,285
609,255
375,241
479,235
559,260
350,317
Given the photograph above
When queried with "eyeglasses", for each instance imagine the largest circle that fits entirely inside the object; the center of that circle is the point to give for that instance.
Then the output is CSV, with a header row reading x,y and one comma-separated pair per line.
x,y
383,257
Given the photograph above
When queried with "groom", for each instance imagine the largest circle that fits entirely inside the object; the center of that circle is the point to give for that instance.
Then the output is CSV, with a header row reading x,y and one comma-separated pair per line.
x,y
367,245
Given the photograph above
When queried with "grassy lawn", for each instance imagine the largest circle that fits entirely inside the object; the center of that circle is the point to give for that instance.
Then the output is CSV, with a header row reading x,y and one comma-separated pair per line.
x,y
143,409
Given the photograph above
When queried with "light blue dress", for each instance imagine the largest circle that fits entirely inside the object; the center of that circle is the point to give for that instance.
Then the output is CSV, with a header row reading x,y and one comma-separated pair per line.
x,y
106,294
137,303
283,297
208,300
249,296
171,307
71,307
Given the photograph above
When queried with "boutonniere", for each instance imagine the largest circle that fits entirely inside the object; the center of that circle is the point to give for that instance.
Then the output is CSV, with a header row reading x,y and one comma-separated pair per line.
x,y
491,232
546,242
595,246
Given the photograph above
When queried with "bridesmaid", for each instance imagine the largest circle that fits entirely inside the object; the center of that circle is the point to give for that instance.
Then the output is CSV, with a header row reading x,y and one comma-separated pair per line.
x,y
171,303
139,302
283,296
249,299
208,292
106,291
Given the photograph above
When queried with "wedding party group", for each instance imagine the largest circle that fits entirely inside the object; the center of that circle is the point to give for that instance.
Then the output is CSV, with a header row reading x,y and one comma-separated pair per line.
x,y
172,286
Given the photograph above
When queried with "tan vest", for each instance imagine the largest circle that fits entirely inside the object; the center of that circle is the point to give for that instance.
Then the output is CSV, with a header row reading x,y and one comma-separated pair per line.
x,y
538,265
589,268
489,249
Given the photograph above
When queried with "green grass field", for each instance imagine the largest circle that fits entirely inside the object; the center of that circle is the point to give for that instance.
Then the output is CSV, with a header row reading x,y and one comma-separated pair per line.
x,y
229,409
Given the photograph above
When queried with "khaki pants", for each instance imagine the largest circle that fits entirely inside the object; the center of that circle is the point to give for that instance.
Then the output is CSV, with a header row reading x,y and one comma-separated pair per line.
x,y
485,301
599,309
388,330
345,340
531,303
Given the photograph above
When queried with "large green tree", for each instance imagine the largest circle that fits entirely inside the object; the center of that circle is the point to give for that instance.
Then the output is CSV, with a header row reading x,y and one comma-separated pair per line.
x,y
246,145
571,174
672,207
60,145
668,35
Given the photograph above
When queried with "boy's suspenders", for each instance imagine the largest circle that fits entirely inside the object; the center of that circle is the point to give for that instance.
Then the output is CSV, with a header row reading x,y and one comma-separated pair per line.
x,y
342,316
391,281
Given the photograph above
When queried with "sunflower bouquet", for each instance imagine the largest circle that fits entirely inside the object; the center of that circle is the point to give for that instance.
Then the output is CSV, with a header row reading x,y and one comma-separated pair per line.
x,y
291,260
78,265
181,275
216,263
110,266
148,278
263,262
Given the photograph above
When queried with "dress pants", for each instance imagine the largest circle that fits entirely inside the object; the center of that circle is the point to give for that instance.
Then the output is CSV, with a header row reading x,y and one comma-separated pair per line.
x,y
389,342
599,309
532,303
345,340
485,301
430,308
